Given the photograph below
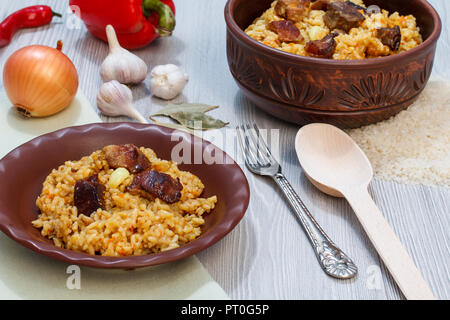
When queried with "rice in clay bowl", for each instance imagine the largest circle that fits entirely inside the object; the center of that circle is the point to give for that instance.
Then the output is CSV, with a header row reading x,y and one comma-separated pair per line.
x,y
345,93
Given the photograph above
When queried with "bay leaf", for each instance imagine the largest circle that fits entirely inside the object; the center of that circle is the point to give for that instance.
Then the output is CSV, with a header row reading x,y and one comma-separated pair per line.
x,y
197,120
172,108
191,116
175,126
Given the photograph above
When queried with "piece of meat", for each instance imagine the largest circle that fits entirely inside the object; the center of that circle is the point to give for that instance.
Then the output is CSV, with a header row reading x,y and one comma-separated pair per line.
x,y
323,48
357,6
323,5
153,184
286,30
343,15
126,156
391,37
292,10
88,195
320,5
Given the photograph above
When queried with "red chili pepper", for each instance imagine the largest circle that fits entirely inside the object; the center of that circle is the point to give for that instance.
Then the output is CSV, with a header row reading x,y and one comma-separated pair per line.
x,y
136,22
29,17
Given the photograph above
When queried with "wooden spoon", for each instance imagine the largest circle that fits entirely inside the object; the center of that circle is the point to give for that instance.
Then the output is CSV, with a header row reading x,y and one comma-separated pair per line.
x,y
335,164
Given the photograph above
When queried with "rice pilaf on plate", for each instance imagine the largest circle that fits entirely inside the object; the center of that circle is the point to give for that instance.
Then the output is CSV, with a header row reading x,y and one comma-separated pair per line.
x,y
125,222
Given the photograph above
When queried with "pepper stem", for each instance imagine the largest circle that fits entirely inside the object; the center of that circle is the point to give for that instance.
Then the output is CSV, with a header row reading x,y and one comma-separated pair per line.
x,y
166,22
59,45
56,14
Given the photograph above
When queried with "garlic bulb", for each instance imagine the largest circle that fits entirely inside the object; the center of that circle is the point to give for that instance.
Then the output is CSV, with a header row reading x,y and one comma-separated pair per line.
x,y
115,99
167,81
121,64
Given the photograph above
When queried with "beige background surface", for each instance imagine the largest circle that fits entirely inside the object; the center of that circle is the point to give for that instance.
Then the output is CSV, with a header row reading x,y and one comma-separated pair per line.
x,y
268,255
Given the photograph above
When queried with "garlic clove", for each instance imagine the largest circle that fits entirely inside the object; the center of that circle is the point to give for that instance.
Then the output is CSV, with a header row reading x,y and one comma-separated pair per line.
x,y
117,177
121,64
115,99
167,81
111,95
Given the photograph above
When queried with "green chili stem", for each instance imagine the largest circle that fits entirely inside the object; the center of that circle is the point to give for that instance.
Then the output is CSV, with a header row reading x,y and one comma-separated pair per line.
x,y
166,17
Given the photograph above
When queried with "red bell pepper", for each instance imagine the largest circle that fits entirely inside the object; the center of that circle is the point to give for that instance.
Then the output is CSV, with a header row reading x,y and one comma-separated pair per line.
x,y
29,17
136,22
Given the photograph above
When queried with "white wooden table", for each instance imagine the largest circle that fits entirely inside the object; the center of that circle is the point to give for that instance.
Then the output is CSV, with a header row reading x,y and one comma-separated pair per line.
x,y
267,256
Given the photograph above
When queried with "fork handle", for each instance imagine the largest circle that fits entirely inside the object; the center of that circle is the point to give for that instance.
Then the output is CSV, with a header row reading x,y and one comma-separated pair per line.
x,y
332,260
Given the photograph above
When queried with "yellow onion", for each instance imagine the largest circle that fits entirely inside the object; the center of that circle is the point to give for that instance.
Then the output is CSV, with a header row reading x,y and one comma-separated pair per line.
x,y
40,80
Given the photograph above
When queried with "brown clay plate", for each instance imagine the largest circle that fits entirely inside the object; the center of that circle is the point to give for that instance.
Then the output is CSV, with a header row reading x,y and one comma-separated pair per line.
x,y
24,169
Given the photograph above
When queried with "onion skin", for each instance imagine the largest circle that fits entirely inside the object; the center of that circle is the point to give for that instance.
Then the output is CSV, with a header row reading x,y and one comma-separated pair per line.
x,y
39,80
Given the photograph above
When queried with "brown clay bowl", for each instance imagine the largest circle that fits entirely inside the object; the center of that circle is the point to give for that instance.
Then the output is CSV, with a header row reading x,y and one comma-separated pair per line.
x,y
346,93
24,169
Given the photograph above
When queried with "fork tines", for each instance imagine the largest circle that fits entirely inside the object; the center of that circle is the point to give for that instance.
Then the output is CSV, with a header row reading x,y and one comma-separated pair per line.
x,y
256,151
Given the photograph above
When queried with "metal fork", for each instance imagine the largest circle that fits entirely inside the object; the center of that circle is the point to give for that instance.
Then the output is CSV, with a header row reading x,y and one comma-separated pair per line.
x,y
260,160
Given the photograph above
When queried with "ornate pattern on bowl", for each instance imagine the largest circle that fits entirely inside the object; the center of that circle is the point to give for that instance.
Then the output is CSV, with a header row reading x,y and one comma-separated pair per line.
x,y
347,93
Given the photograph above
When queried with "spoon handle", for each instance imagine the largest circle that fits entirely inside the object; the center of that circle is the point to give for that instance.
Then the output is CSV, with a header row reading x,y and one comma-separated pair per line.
x,y
388,246
332,260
